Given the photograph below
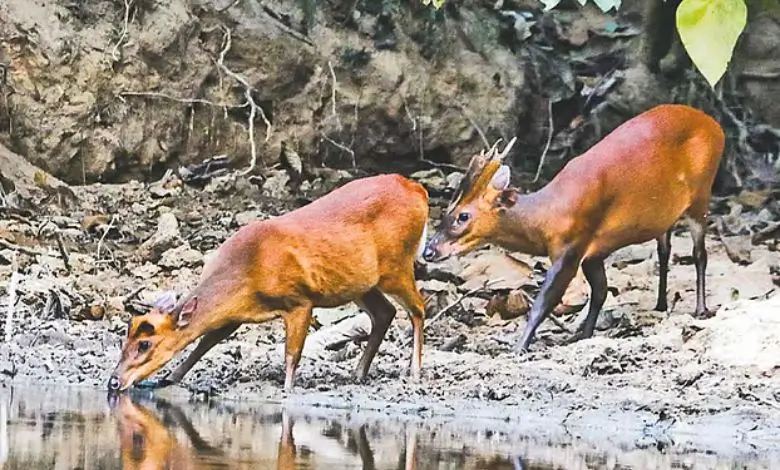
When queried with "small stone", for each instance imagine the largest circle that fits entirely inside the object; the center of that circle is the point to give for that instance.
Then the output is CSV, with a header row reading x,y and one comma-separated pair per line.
x,y
244,218
146,271
181,256
165,238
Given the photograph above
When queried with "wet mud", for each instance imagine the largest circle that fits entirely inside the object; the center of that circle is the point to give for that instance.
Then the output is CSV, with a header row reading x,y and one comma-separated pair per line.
x,y
648,379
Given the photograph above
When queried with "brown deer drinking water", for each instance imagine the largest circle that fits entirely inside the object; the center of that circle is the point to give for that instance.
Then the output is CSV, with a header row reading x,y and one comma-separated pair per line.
x,y
356,243
629,188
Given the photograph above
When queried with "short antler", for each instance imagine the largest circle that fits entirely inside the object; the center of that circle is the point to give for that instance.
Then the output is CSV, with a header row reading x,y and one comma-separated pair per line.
x,y
481,169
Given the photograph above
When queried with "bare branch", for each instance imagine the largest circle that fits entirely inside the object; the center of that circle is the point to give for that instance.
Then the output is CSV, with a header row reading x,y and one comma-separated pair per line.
x,y
474,125
103,237
549,140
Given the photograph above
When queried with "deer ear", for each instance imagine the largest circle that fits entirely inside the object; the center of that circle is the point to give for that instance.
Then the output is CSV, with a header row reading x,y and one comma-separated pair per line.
x,y
500,180
187,310
506,198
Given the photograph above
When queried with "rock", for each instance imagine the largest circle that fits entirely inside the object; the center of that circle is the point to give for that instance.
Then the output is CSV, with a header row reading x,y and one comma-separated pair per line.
x,y
243,218
453,179
146,271
738,248
629,255
275,185
181,256
431,179
26,177
743,334
166,237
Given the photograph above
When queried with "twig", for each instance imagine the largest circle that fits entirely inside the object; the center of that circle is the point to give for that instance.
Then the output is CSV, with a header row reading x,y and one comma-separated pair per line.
x,y
457,301
9,313
180,100
250,101
474,125
340,146
280,23
133,294
333,86
549,140
27,251
232,4
125,26
760,75
103,237
63,251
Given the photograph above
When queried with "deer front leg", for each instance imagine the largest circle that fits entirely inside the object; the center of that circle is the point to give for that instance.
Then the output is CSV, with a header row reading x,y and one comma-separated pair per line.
x,y
554,286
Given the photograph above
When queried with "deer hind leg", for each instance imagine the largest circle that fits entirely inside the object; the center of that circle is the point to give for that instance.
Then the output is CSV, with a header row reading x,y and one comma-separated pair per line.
x,y
697,222
664,248
382,313
405,291
593,268
296,326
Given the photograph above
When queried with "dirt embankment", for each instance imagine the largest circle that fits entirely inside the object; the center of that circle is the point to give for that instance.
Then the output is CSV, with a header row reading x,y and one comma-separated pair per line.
x,y
112,91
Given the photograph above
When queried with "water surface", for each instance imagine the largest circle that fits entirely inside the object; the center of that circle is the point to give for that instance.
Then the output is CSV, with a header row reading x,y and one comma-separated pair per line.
x,y
62,428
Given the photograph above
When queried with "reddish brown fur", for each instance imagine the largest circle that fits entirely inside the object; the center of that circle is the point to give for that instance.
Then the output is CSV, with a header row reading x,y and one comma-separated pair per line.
x,y
629,188
146,443
353,244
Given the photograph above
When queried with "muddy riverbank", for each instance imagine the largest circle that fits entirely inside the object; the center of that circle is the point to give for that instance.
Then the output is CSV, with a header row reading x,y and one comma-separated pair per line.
x,y
648,379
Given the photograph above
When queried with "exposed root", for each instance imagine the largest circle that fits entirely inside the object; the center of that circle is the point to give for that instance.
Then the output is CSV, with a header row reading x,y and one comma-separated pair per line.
x,y
9,314
543,158
473,124
254,109
340,147
115,52
334,85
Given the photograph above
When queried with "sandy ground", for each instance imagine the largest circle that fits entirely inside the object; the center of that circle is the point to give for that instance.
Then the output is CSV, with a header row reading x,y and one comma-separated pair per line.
x,y
647,378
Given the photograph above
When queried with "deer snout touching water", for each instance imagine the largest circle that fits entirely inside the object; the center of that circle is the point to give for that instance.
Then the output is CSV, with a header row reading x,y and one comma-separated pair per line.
x,y
355,244
629,188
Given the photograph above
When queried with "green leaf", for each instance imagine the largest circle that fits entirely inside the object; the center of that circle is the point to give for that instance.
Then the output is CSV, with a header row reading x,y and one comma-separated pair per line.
x,y
709,30
436,3
606,5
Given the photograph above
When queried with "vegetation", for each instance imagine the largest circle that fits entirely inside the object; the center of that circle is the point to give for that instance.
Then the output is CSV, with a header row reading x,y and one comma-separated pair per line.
x,y
709,30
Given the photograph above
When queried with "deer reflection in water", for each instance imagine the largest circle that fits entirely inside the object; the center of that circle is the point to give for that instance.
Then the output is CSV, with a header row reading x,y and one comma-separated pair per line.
x,y
147,443
148,440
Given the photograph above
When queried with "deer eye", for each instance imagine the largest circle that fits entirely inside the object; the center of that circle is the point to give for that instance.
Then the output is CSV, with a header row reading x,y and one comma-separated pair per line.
x,y
463,217
144,346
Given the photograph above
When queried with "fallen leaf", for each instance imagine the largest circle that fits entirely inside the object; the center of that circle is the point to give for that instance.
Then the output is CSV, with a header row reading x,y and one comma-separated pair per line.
x,y
501,270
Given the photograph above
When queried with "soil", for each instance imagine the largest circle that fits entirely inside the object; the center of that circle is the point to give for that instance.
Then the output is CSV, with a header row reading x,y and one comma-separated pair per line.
x,y
646,379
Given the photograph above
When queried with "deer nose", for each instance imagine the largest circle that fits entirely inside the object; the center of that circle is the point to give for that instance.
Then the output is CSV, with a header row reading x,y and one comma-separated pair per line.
x,y
429,253
113,383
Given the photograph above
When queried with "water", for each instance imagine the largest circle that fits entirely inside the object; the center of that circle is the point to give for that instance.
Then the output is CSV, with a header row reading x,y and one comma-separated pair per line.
x,y
61,428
